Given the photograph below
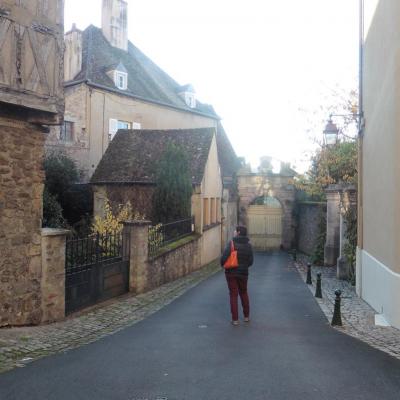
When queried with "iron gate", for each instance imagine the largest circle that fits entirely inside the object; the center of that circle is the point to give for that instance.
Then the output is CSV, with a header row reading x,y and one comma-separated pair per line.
x,y
96,269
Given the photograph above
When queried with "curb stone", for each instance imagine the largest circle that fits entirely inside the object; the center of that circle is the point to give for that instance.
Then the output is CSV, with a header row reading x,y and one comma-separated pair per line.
x,y
357,316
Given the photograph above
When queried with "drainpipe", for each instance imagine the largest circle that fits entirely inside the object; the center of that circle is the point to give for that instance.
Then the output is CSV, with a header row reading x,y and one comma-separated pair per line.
x,y
361,126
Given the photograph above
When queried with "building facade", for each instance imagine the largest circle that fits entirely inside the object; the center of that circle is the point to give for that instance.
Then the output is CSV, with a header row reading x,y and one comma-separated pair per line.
x,y
378,253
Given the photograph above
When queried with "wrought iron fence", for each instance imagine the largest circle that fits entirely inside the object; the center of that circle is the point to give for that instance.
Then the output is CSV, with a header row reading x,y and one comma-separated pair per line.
x,y
81,253
162,234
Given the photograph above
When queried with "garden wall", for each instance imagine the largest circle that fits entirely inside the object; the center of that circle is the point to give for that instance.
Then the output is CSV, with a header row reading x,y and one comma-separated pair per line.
x,y
308,219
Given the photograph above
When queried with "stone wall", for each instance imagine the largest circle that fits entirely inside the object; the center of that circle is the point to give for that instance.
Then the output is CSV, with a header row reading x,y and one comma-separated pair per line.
x,y
308,219
147,273
78,149
21,188
175,263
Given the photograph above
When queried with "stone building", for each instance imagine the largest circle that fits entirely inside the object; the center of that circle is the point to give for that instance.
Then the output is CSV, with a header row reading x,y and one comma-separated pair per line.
x,y
110,84
266,203
31,98
127,173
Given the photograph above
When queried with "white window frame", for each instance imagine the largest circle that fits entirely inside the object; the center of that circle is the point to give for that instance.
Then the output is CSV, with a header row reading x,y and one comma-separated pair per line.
x,y
117,76
114,125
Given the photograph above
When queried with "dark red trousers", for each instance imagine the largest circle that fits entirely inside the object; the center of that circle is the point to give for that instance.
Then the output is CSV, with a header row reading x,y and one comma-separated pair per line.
x,y
238,286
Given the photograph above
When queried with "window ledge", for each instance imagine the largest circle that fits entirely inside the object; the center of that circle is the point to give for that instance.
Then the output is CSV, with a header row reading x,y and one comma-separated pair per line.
x,y
208,227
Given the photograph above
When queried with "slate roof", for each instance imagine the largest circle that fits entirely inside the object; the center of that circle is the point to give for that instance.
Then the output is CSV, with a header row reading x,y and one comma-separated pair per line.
x,y
227,157
146,80
132,155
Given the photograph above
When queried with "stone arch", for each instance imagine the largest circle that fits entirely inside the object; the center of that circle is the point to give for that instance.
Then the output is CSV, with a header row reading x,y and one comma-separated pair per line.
x,y
255,186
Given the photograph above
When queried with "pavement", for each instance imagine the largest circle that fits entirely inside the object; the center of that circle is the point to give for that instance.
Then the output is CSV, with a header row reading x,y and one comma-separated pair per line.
x,y
189,350
358,317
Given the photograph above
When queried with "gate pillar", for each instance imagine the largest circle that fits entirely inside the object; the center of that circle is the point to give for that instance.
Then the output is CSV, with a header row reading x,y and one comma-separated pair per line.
x,y
53,274
331,251
138,233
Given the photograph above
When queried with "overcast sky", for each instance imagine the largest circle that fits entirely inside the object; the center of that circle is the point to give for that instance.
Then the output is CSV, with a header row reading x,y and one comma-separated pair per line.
x,y
265,65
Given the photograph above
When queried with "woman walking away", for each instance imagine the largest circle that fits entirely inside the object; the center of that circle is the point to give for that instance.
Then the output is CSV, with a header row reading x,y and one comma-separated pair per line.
x,y
236,272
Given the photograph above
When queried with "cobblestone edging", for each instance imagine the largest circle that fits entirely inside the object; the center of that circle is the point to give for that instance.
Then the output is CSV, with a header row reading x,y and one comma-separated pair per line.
x,y
19,346
357,316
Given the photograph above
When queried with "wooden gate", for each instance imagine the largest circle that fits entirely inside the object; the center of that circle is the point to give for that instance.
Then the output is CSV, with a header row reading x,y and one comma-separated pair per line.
x,y
96,269
265,226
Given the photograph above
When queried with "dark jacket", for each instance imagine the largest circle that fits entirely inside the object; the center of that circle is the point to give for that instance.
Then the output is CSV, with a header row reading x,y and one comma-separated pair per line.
x,y
244,252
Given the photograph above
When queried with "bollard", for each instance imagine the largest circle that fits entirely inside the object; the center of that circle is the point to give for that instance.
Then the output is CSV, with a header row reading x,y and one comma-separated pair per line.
x,y
337,318
318,290
309,280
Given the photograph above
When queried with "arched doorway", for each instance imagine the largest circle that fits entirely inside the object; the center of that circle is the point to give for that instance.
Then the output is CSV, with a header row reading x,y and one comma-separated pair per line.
x,y
264,223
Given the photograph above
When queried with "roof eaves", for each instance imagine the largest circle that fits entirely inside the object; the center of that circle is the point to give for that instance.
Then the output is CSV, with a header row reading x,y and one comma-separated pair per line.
x,y
131,95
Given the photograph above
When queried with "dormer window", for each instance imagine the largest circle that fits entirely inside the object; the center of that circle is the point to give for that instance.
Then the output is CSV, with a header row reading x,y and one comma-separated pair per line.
x,y
188,95
119,75
190,100
121,80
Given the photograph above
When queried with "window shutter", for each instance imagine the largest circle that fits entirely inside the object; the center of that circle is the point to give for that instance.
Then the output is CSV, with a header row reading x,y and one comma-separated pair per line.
x,y
113,128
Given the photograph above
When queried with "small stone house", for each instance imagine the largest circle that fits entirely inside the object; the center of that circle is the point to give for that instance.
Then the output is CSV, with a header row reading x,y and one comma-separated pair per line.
x,y
127,173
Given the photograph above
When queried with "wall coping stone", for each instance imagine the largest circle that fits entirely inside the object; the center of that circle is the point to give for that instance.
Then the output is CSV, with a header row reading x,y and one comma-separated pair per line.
x,y
54,232
137,223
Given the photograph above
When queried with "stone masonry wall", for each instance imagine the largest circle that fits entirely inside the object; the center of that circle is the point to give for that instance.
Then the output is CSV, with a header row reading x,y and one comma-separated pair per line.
x,y
174,264
309,215
78,148
21,188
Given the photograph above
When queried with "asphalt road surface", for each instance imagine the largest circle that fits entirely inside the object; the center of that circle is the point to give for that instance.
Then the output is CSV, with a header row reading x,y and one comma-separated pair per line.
x,y
189,350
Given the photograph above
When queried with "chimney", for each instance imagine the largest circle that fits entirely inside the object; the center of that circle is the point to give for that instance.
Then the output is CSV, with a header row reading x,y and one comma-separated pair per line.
x,y
115,23
73,53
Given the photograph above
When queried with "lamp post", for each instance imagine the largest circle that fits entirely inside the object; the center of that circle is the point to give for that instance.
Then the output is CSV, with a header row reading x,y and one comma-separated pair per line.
x,y
331,131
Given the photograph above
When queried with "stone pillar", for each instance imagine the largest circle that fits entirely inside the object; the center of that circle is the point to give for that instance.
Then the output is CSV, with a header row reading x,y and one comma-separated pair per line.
x,y
331,250
348,199
138,234
53,274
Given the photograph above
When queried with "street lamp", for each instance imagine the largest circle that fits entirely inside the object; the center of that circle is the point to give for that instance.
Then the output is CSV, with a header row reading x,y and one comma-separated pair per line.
x,y
331,131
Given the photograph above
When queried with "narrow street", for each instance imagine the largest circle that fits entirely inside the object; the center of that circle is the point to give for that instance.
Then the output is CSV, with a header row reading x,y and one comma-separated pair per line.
x,y
189,350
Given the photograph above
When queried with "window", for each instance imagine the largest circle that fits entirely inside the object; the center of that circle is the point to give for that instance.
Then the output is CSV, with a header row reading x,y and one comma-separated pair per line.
x,y
206,212
213,212
67,132
121,80
115,125
218,206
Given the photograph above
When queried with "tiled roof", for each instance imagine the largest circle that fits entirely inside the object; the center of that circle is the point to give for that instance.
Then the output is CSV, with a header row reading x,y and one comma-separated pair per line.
x,y
132,155
145,79
228,160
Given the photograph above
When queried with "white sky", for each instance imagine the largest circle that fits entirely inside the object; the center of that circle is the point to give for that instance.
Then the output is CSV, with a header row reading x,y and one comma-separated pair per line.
x,y
258,62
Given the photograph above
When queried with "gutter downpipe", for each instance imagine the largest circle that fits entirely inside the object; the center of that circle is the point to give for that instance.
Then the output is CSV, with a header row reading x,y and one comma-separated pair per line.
x,y
361,128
